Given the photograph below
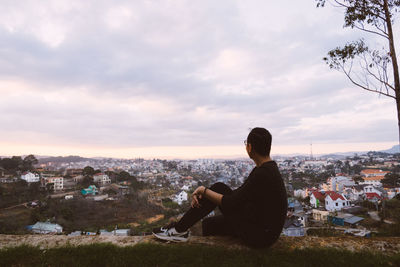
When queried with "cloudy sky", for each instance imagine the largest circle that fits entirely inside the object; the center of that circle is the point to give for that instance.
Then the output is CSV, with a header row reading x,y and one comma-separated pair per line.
x,y
179,79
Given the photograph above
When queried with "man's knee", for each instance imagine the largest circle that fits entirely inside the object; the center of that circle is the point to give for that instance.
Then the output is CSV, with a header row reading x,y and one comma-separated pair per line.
x,y
221,188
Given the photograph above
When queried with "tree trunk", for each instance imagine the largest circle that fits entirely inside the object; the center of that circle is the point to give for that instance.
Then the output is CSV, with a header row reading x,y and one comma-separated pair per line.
x,y
394,62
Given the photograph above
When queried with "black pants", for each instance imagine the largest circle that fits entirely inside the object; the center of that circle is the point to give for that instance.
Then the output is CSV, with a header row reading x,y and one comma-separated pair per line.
x,y
229,223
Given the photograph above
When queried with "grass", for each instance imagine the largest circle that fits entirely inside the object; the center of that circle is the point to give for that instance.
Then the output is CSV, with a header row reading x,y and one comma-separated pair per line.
x,y
187,255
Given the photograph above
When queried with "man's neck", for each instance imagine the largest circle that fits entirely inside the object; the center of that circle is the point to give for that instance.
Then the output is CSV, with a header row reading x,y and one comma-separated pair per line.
x,y
261,160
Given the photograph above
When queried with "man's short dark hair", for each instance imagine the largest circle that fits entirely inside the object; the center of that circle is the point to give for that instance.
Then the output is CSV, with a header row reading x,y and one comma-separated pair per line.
x,y
260,140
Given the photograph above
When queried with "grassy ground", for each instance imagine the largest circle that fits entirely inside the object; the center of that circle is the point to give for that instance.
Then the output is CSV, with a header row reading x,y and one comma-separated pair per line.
x,y
187,255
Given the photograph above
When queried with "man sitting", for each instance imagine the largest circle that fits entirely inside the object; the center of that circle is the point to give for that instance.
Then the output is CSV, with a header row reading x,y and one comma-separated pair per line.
x,y
255,212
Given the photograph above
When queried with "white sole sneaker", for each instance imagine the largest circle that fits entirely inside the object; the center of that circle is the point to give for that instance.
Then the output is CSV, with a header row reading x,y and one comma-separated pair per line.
x,y
177,239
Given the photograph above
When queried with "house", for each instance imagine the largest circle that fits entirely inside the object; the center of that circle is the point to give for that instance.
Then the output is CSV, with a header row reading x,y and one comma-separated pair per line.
x,y
73,172
100,197
56,182
343,219
356,192
317,199
294,205
335,201
101,178
372,189
373,172
30,177
120,190
300,193
293,227
392,191
320,215
373,197
46,228
373,176
2,172
181,197
78,178
339,183
91,190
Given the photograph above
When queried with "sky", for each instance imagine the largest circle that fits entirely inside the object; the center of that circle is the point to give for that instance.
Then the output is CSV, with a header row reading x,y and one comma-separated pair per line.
x,y
180,79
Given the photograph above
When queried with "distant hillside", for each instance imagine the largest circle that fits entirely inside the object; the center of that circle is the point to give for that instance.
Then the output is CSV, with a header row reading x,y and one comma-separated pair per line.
x,y
63,159
395,149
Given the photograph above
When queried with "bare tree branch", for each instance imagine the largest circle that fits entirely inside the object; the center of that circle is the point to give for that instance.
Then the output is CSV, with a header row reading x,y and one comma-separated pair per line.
x,y
362,86
370,31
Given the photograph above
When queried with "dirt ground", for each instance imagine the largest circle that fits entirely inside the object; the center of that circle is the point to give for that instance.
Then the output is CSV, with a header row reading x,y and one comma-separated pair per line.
x,y
384,245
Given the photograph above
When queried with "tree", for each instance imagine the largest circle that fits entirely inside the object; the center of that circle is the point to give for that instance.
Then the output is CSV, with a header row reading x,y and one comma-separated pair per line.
x,y
88,171
391,179
12,164
357,178
86,181
124,176
28,162
374,70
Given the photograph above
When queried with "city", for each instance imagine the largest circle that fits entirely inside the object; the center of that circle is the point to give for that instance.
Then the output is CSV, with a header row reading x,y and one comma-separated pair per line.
x,y
327,196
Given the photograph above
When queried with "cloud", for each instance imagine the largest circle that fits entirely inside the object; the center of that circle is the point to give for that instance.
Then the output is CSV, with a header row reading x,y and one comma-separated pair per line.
x,y
159,73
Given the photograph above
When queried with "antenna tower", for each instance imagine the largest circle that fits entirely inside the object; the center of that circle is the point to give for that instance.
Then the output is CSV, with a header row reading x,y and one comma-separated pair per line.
x,y
311,155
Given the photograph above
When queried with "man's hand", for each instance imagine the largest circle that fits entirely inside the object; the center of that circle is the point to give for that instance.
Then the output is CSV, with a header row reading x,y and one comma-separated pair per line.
x,y
196,196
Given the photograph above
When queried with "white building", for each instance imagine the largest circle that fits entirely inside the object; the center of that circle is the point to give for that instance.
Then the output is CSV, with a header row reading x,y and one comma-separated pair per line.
x,y
46,228
335,201
317,199
58,182
300,193
338,183
372,189
101,178
181,197
30,177
373,176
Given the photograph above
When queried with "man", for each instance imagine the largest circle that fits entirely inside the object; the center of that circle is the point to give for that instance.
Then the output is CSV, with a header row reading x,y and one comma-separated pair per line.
x,y
255,212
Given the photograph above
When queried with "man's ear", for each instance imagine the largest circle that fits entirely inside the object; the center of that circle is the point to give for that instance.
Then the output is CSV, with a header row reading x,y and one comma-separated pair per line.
x,y
249,148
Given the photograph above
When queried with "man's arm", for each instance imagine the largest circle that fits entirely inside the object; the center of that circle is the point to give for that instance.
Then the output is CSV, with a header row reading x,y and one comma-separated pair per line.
x,y
207,193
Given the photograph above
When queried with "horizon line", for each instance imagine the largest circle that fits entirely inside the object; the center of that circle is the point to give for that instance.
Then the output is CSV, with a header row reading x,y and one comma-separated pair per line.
x,y
180,151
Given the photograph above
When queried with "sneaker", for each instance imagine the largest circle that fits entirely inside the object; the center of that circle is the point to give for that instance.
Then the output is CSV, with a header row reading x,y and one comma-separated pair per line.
x,y
169,233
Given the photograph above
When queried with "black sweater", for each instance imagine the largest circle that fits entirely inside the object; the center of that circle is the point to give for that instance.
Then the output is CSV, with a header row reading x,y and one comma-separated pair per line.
x,y
261,200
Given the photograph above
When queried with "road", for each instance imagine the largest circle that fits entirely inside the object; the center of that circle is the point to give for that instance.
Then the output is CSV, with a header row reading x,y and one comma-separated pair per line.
x,y
22,204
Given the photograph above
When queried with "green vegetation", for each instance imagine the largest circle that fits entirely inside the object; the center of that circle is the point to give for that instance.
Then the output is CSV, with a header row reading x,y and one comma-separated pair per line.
x,y
19,192
79,214
187,255
326,232
168,203
16,164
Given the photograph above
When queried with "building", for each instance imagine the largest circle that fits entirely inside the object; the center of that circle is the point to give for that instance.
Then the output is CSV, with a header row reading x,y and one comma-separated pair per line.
x,y
335,201
373,176
320,215
373,172
343,219
373,197
339,183
78,178
120,190
46,228
181,197
101,178
293,227
30,177
57,183
331,200
91,190
317,199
